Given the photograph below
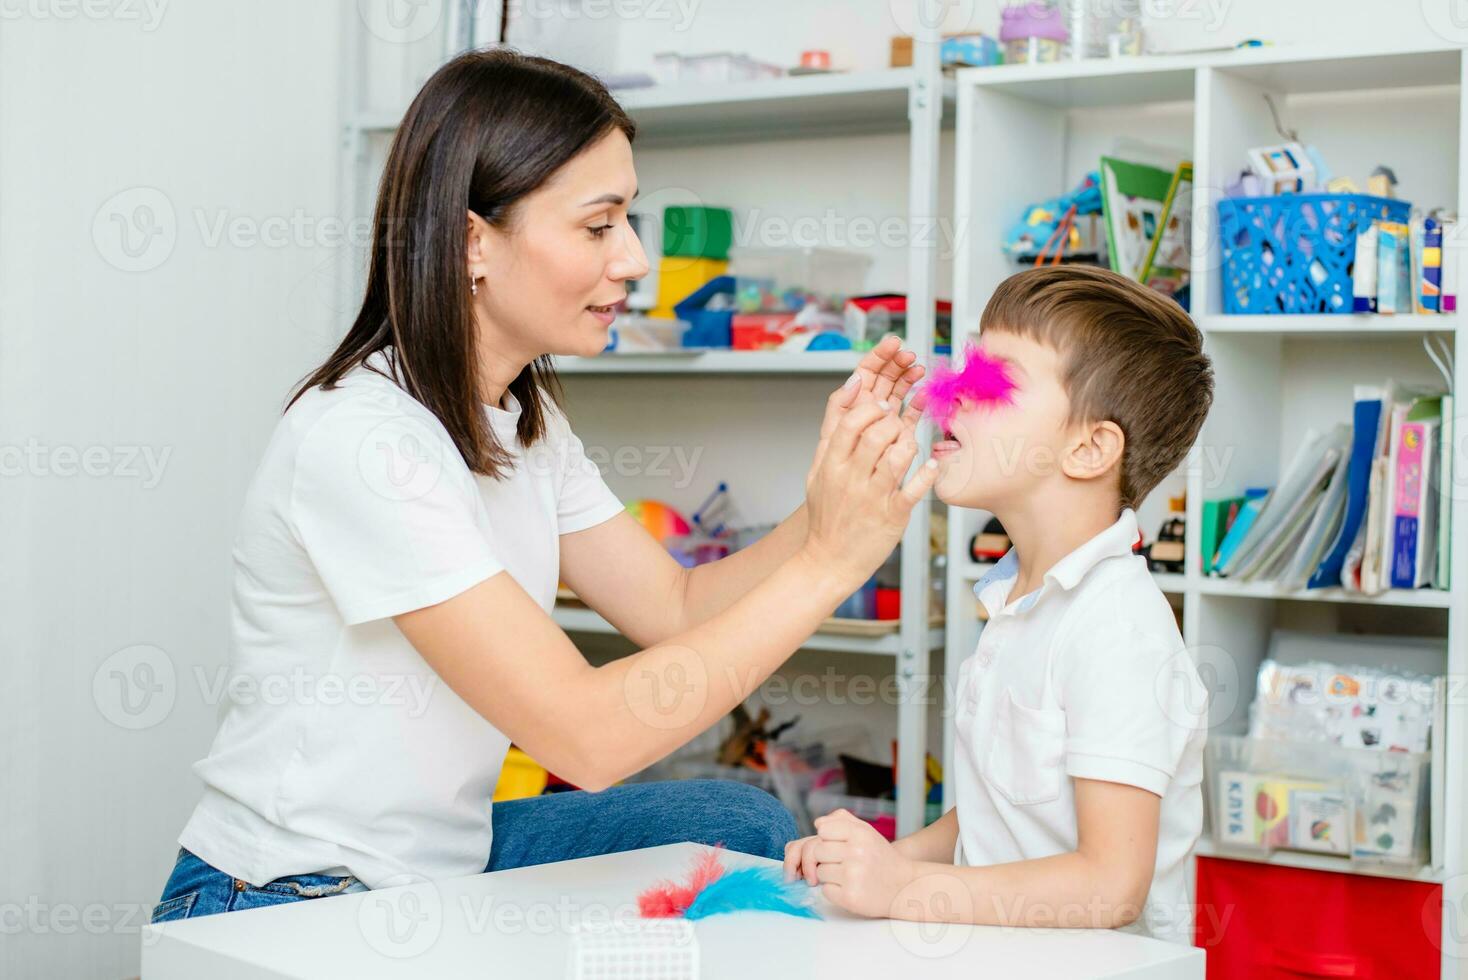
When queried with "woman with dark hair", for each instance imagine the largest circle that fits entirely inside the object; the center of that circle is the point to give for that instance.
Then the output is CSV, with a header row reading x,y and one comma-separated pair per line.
x,y
398,553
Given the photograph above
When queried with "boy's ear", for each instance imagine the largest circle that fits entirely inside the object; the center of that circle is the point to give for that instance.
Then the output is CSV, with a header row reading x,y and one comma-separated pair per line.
x,y
1096,452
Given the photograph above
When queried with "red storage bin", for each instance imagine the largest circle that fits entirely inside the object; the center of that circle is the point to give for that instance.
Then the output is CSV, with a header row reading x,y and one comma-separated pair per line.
x,y
1266,922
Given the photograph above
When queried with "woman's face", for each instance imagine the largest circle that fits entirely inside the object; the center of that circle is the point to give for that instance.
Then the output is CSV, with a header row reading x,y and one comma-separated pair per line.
x,y
551,278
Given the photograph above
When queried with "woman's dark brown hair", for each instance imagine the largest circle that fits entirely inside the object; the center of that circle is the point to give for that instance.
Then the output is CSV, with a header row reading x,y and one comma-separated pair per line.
x,y
487,129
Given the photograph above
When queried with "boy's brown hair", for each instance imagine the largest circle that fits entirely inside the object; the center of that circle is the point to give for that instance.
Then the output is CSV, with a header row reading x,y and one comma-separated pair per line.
x,y
1129,355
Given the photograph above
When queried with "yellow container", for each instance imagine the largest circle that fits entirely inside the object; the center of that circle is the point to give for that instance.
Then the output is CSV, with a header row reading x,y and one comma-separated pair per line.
x,y
679,275
520,776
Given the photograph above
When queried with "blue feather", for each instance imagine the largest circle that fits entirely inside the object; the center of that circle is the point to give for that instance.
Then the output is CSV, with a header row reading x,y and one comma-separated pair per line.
x,y
752,889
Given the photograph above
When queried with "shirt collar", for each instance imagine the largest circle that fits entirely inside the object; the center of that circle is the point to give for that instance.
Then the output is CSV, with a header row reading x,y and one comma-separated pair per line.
x,y
1117,540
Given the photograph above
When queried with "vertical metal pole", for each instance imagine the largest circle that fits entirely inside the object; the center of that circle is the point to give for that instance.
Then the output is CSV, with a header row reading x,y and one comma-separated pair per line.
x,y
915,690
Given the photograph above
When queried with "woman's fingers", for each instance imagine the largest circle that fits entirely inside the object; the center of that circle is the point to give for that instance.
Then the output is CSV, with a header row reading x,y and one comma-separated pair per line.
x,y
910,377
884,366
899,457
874,442
839,401
852,427
913,413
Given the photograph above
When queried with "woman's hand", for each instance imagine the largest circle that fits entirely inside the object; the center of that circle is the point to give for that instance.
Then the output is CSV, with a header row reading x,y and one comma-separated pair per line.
x,y
887,372
856,505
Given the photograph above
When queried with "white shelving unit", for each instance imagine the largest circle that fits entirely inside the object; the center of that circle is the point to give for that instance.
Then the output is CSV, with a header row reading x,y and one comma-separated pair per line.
x,y
836,363
907,100
579,619
1028,132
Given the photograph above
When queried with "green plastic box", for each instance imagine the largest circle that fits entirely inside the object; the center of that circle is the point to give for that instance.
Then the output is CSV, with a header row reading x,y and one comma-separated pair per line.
x,y
697,232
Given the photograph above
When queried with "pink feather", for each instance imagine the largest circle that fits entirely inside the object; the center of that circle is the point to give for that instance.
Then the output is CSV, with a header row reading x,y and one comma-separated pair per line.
x,y
983,380
667,900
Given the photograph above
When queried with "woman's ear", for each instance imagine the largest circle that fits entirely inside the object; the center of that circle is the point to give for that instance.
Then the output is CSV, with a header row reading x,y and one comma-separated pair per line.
x,y
1096,452
476,245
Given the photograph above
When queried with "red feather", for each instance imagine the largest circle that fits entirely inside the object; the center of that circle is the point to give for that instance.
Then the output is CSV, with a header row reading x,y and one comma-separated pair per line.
x,y
667,900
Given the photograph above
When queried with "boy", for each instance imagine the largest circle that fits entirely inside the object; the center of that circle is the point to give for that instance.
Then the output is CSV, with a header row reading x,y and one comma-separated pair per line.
x,y
1079,718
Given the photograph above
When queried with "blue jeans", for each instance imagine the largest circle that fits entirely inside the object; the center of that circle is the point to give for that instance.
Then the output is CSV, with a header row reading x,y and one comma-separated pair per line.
x,y
537,830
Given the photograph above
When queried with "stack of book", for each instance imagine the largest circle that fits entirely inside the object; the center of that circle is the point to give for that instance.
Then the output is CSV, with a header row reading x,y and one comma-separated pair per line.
x,y
1366,507
1399,268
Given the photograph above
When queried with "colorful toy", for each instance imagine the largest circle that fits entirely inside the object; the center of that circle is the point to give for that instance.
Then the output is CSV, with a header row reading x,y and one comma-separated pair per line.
x,y
711,890
983,380
1033,31
1167,553
991,543
661,521
1051,223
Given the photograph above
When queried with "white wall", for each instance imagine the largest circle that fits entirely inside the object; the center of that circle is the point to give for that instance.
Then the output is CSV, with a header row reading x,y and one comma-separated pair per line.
x,y
214,112
202,112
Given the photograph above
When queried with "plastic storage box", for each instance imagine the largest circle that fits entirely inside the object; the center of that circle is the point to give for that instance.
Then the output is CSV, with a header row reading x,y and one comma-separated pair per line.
x,y
1293,253
1363,804
671,68
773,279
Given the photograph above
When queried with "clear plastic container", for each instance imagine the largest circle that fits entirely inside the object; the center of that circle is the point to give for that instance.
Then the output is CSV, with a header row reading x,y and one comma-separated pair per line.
x,y
1363,804
635,334
776,279
1101,30
671,68
798,763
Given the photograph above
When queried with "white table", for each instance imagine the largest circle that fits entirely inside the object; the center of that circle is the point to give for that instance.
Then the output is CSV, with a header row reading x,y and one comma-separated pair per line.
x,y
519,924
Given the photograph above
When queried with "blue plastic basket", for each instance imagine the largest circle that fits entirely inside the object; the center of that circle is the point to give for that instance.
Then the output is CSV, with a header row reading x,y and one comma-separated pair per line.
x,y
1293,253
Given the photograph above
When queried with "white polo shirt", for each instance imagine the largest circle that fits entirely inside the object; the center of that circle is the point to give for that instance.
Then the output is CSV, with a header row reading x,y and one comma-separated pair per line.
x,y
1086,677
339,749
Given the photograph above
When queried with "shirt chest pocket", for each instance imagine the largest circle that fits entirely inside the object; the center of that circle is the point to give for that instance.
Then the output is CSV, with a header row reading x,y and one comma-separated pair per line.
x,y
1026,748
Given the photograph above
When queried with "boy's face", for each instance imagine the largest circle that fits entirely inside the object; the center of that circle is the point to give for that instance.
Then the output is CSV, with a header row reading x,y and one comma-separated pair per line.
x,y
997,453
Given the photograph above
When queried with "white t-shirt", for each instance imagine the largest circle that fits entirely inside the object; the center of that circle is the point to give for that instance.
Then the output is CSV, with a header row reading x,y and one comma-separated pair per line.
x,y
1086,677
339,750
